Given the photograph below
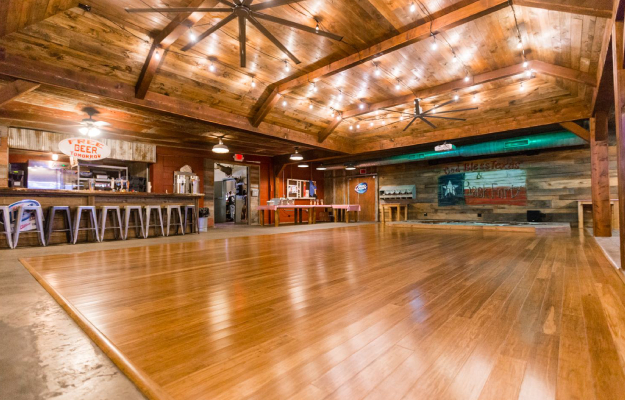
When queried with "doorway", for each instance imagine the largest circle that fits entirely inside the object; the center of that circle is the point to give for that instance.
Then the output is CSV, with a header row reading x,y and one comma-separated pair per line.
x,y
231,194
363,191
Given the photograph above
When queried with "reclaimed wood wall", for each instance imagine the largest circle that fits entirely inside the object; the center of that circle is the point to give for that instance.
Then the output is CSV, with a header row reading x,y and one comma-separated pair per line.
x,y
4,156
555,179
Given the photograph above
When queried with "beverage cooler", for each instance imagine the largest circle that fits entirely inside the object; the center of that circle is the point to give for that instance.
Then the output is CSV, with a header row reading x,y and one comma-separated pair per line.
x,y
50,175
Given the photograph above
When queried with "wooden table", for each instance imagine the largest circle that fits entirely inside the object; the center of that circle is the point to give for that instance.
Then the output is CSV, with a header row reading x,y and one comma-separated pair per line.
x,y
343,212
390,206
580,212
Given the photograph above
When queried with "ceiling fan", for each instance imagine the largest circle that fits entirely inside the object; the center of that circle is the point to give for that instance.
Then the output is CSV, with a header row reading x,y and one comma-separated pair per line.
x,y
89,126
244,11
423,115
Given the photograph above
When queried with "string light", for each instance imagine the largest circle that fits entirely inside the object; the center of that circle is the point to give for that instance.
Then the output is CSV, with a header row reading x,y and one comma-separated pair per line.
x,y
157,55
340,95
317,27
211,68
371,124
475,98
455,59
377,71
287,67
397,86
339,116
529,73
361,106
525,64
434,45
192,36
522,86
310,106
284,103
413,7
253,83
520,44
456,97
351,127
357,126
466,78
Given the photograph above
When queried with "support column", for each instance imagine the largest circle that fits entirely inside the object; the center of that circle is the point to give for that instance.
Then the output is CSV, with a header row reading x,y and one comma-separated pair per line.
x,y
600,176
619,112
4,156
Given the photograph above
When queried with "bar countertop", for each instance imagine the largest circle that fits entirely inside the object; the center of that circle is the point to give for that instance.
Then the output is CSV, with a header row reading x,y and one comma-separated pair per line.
x,y
57,192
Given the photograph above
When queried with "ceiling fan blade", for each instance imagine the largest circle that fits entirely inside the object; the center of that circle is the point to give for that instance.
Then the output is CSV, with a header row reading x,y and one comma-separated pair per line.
x,y
295,25
227,2
246,3
408,126
427,122
177,10
212,29
101,123
453,119
242,50
451,111
273,39
272,4
438,106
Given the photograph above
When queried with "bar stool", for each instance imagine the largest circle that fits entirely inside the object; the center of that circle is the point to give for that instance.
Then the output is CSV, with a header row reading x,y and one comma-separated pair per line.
x,y
104,212
190,209
38,224
68,223
139,230
149,210
168,210
6,224
92,223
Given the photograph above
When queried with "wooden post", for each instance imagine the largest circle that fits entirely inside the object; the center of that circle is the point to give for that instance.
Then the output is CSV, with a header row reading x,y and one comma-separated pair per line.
x,y
4,156
619,112
600,176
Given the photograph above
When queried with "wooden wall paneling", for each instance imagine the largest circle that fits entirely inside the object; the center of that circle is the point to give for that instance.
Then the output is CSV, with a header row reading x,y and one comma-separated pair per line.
x,y
143,152
254,202
619,107
600,176
209,189
4,156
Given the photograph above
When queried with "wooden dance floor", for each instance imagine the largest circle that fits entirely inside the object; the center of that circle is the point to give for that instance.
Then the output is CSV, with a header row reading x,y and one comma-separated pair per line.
x,y
352,313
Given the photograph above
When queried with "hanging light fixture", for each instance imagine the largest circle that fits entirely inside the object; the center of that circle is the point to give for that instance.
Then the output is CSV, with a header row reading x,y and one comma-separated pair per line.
x,y
220,148
413,7
434,45
296,156
303,165
349,167
321,167
253,83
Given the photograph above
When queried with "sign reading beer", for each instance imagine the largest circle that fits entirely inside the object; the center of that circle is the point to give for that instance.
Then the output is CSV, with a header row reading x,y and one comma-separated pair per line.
x,y
481,188
84,148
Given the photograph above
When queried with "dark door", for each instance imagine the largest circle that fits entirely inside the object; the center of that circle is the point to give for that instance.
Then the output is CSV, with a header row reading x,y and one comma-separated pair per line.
x,y
362,191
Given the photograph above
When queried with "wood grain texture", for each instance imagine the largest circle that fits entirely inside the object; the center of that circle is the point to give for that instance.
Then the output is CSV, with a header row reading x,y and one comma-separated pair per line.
x,y
367,312
600,175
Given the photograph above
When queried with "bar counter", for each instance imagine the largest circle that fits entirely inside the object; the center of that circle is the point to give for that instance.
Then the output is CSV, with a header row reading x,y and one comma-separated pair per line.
x,y
74,198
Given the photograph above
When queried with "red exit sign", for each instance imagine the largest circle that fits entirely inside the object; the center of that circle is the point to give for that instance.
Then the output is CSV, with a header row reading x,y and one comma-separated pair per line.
x,y
238,157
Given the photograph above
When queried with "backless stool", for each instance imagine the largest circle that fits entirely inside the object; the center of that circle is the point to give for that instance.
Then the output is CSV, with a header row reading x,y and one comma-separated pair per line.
x,y
176,210
190,211
116,226
5,220
67,216
158,220
138,220
38,224
92,222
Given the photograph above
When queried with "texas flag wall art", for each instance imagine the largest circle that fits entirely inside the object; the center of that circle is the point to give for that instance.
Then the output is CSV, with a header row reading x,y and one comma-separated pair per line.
x,y
483,188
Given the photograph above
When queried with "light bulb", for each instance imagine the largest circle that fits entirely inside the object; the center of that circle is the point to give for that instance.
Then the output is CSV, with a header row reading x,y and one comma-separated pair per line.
x,y
361,106
456,97
455,59
283,103
93,132
466,78
287,67
317,28
434,45
84,130
157,55
340,95
357,126
310,106
413,7
377,71
351,127
211,68
338,117
314,87
192,36
401,117
528,73
55,157
370,124
397,86
474,98
519,45
525,64
522,86
253,83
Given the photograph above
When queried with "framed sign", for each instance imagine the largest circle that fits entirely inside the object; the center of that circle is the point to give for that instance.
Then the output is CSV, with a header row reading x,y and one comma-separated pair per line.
x,y
361,188
84,149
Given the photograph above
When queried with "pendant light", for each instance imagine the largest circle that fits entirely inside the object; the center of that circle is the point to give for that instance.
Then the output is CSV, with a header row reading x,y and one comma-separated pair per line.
x,y
349,167
220,148
302,165
321,167
296,156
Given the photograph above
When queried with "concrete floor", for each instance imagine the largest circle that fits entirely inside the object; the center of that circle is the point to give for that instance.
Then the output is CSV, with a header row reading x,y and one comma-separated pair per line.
x,y
44,354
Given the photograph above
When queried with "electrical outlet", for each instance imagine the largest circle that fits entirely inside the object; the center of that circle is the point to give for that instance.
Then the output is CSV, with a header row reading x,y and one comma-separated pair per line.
x,y
425,214
479,215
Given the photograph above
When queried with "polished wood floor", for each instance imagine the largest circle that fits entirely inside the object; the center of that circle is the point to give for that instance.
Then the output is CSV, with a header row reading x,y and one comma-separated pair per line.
x,y
362,312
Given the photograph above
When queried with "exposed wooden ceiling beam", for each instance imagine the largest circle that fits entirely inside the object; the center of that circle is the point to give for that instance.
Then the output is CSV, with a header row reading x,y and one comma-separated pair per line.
x,y
165,38
576,129
15,90
595,8
537,66
442,21
48,74
36,15
547,117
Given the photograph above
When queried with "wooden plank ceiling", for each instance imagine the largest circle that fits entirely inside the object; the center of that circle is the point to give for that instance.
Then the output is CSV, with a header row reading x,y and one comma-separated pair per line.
x,y
95,58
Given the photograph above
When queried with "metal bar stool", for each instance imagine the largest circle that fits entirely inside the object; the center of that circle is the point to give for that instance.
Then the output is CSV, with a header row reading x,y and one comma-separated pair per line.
x,y
104,213
170,222
6,225
128,212
149,210
190,209
92,223
68,223
38,224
